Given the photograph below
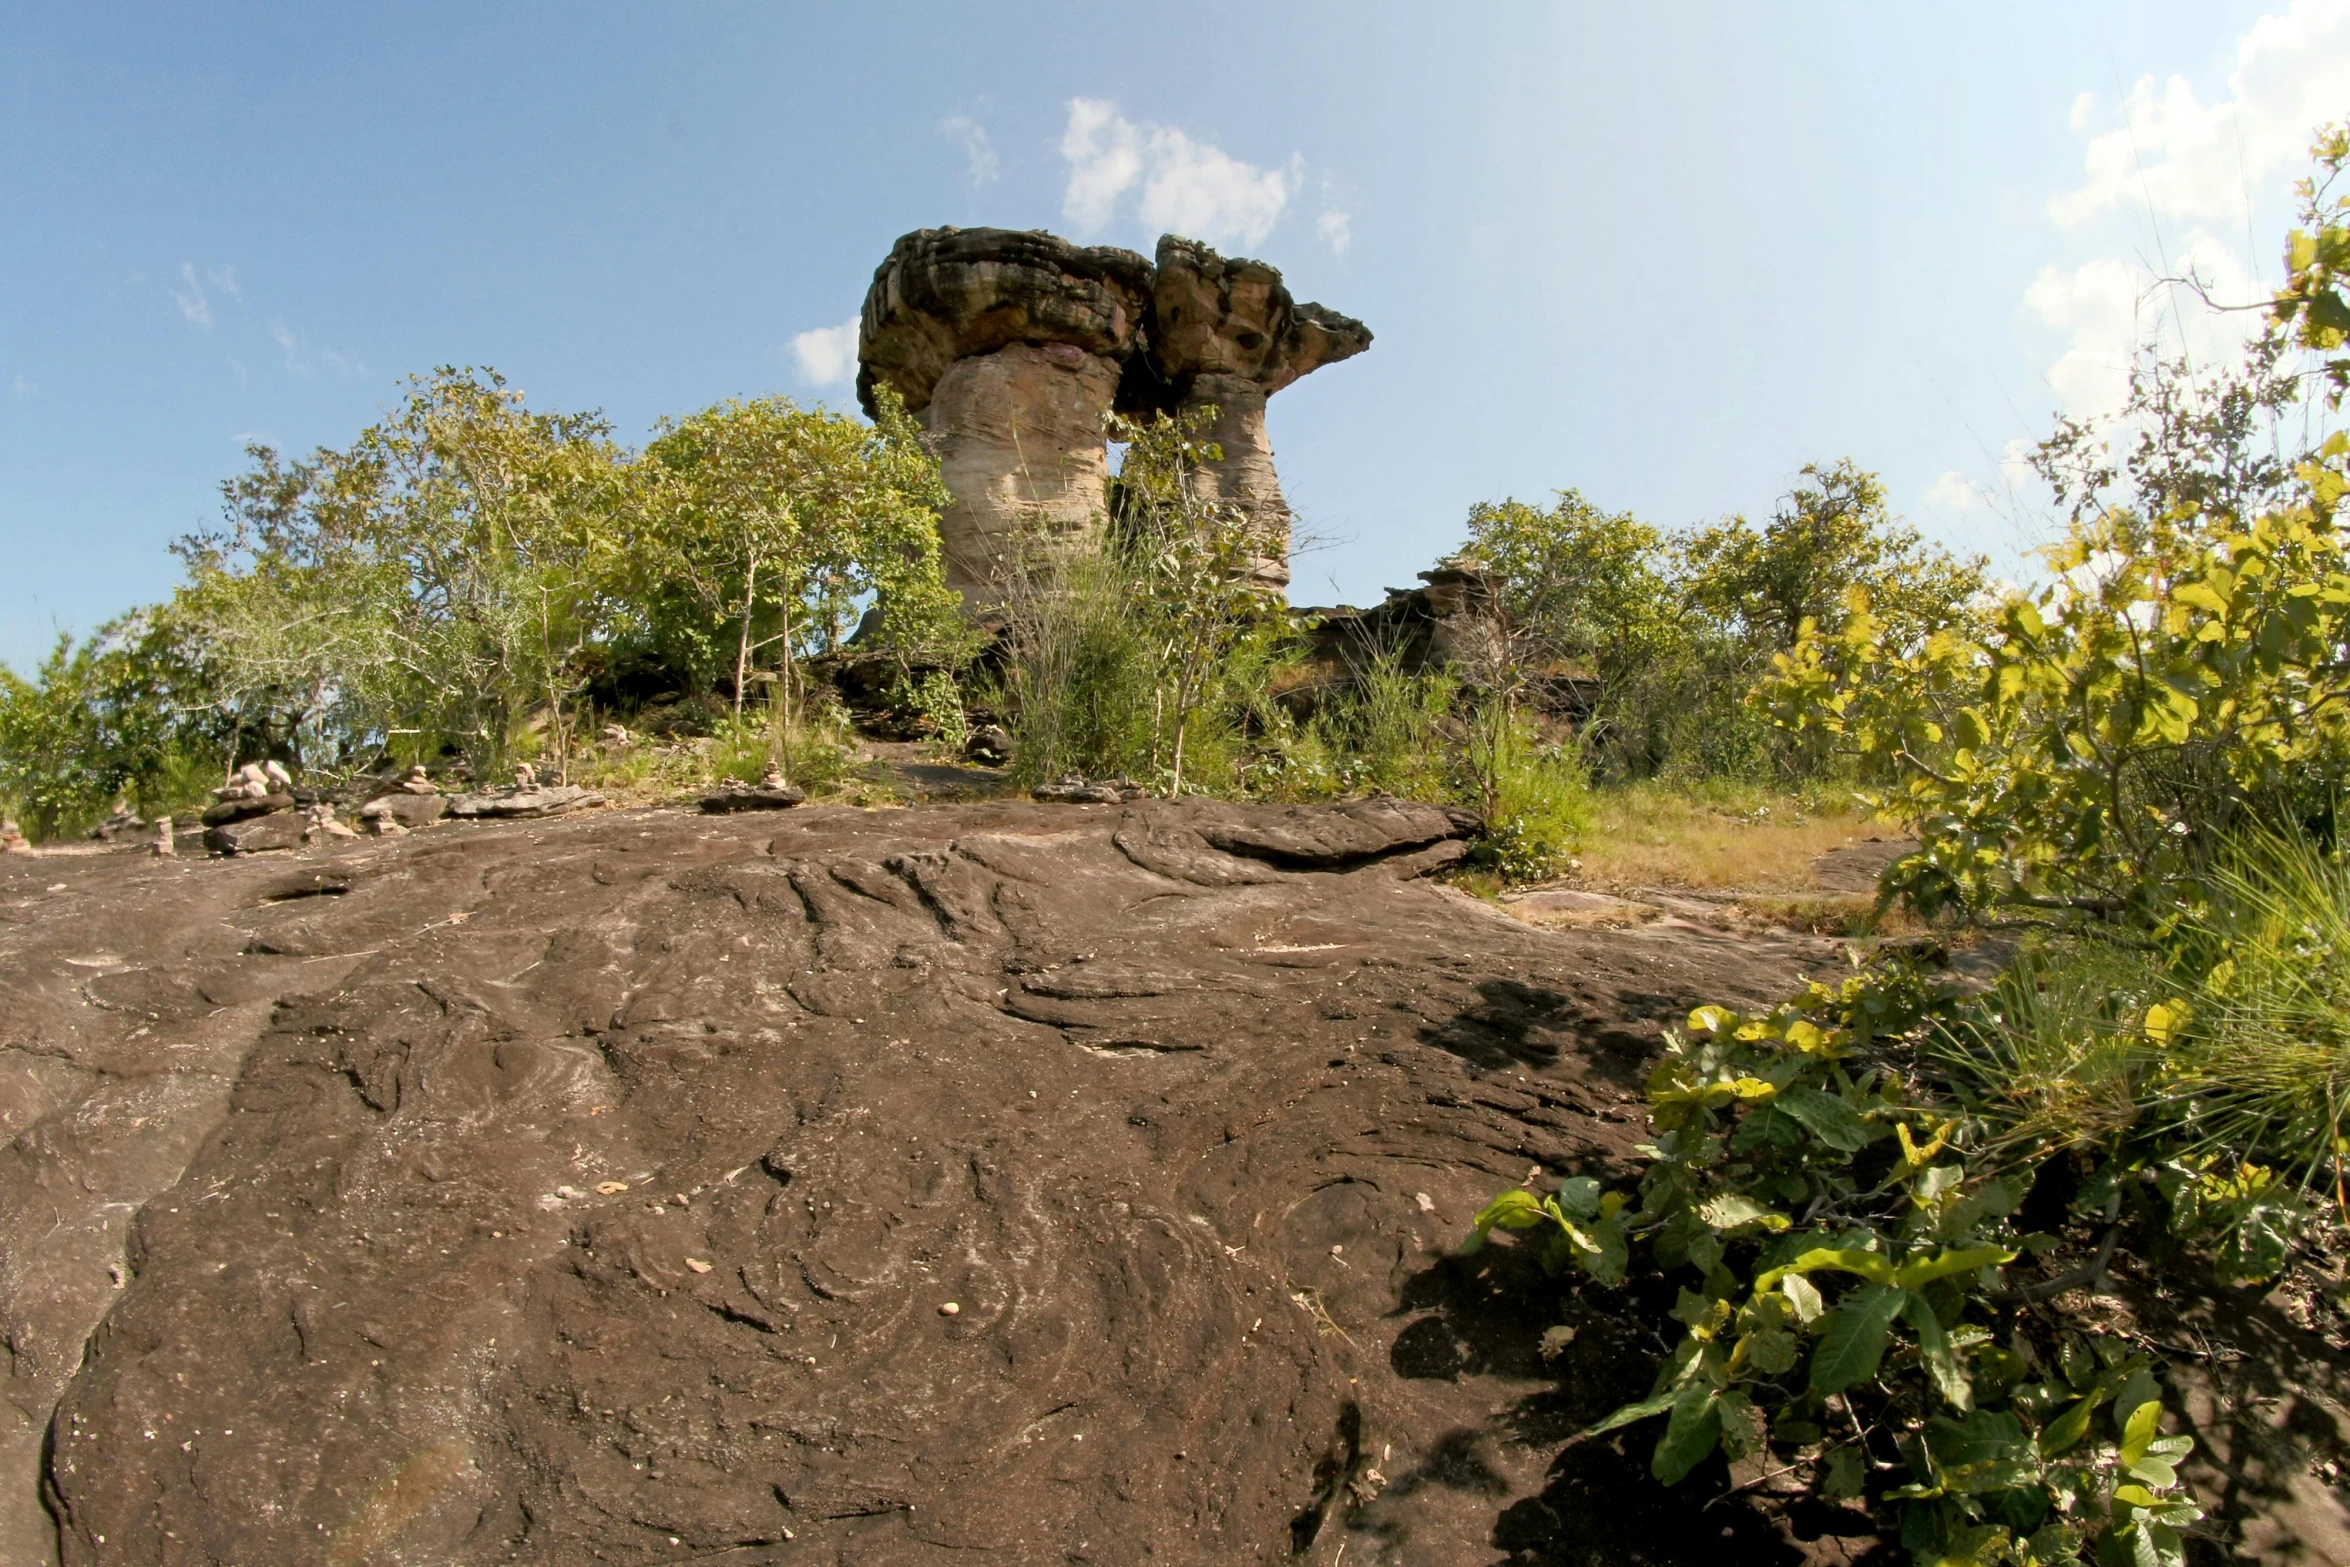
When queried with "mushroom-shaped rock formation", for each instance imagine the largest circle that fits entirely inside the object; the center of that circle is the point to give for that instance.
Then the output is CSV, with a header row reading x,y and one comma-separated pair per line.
x,y
1224,333
1009,346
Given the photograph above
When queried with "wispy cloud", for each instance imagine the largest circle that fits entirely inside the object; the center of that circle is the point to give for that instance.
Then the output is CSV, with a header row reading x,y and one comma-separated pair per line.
x,y
2169,184
225,279
21,387
971,136
193,305
827,355
1337,231
1955,492
302,360
1182,186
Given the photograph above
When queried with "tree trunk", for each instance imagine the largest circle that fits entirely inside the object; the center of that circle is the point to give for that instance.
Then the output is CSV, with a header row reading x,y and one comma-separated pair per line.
x,y
742,646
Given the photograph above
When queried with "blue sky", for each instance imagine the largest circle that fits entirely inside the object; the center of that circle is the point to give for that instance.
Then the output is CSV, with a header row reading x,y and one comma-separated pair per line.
x,y
1663,254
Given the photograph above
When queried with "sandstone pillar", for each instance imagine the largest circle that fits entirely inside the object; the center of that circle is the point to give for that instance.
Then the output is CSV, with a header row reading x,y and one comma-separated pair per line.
x,y
1224,333
1009,347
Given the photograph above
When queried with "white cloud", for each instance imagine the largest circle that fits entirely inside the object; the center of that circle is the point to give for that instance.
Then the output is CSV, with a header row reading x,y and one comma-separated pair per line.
x,y
2175,156
193,305
1955,492
1337,231
225,279
827,355
290,346
2171,184
1105,157
1185,186
22,387
299,360
971,136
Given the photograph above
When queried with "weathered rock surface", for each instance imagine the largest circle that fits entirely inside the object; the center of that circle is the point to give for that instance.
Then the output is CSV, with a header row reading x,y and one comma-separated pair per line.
x,y
754,797
511,804
590,1190
257,834
244,808
407,807
1009,345
946,294
1019,439
1225,333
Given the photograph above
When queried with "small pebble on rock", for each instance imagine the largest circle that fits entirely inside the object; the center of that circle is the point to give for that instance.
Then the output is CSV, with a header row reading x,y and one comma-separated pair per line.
x,y
949,1309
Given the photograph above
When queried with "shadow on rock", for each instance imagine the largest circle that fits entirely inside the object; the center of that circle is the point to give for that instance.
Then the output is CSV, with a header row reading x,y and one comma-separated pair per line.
x,y
1592,1351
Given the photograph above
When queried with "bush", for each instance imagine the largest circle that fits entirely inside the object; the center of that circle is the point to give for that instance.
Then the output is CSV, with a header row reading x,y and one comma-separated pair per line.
x,y
1838,1244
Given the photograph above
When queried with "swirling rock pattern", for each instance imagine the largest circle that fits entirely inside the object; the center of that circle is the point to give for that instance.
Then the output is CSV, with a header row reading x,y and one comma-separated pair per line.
x,y
591,1190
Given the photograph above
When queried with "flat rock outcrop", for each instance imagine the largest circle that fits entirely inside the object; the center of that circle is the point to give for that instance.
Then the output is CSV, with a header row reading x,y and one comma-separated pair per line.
x,y
1011,346
596,1189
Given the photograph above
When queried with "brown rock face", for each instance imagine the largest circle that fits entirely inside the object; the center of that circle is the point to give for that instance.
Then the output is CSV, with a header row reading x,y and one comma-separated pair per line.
x,y
1012,346
1019,439
591,1189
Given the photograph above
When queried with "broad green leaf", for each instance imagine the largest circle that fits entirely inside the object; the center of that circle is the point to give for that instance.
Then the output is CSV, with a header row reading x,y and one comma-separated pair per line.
x,y
1655,1404
1831,1259
1950,1378
1771,1351
1578,1198
1802,1296
2143,1425
1855,1340
1515,1209
1921,1271
2071,1426
1987,1451
1732,1209
1827,1117
1847,1476
1692,1432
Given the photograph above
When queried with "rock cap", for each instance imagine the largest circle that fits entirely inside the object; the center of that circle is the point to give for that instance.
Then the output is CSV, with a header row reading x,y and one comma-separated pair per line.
x,y
947,293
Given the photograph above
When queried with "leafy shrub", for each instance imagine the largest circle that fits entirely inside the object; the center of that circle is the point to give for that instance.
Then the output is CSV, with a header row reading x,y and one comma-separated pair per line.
x,y
1837,1256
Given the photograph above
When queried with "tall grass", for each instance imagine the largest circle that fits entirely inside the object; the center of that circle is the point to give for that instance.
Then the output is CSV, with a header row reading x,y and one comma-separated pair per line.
x,y
2225,1048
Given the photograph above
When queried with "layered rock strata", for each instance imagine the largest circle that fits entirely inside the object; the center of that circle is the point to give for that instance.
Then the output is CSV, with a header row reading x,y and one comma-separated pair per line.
x,y
1010,347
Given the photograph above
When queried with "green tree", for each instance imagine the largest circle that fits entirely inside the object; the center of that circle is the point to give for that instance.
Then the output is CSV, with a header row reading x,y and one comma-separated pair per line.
x,y
1192,562
763,525
1831,533
122,712
449,571
1588,594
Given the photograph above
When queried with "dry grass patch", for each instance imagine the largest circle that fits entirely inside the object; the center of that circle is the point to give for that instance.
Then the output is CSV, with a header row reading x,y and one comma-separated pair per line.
x,y
1717,839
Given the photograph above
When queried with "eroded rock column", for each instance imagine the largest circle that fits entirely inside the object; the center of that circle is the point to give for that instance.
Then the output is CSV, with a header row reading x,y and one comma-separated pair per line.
x,y
1224,333
1009,347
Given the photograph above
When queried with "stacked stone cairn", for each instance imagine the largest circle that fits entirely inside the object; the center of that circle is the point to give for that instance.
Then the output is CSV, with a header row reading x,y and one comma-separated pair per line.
x,y
13,840
1076,789
253,812
415,801
770,793
1010,347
